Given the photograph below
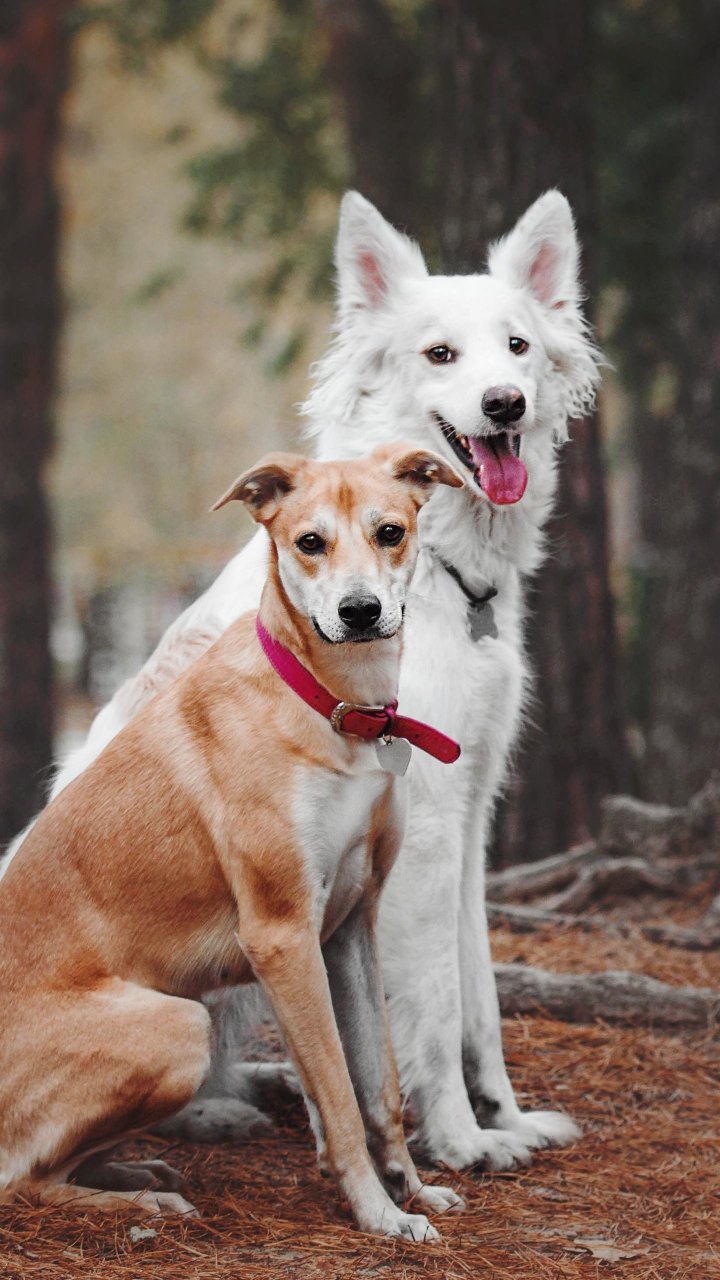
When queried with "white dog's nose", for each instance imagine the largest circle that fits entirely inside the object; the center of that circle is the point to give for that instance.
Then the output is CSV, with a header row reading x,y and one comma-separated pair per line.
x,y
503,404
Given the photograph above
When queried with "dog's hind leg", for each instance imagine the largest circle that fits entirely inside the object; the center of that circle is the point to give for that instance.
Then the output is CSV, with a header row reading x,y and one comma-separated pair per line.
x,y
90,1199
119,1057
104,1173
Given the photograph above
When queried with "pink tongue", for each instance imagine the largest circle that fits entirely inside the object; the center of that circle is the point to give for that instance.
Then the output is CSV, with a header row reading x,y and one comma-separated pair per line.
x,y
500,474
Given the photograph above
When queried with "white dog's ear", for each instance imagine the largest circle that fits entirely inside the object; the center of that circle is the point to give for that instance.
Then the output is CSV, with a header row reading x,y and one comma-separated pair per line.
x,y
264,486
371,257
541,253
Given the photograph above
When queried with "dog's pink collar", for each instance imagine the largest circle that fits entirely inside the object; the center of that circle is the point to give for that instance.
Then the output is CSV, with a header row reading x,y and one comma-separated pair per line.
x,y
348,717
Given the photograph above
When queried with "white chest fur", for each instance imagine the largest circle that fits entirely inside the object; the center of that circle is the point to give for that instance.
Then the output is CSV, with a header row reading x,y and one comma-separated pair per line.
x,y
333,815
468,688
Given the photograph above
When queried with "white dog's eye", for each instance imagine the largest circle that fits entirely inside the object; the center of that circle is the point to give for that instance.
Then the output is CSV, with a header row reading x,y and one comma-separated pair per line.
x,y
518,346
440,354
390,535
311,544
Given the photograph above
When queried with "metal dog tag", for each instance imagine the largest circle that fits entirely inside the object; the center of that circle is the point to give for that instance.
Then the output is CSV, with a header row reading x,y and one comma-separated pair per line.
x,y
482,621
394,755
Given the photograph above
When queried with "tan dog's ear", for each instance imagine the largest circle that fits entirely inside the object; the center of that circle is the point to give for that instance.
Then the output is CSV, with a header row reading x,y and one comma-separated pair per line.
x,y
264,486
420,468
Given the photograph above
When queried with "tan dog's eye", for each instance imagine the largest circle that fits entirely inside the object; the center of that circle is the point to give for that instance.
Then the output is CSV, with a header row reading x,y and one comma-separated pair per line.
x,y
440,354
311,544
518,346
390,535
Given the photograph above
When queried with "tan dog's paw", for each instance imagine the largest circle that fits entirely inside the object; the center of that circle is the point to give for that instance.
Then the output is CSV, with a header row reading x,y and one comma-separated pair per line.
x,y
165,1203
409,1226
89,1199
439,1199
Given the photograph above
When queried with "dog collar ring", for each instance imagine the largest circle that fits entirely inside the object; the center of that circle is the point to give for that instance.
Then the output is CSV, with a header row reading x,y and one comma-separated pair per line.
x,y
341,709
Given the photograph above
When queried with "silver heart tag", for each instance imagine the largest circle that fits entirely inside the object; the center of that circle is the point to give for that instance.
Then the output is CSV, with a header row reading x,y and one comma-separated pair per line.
x,y
394,756
482,621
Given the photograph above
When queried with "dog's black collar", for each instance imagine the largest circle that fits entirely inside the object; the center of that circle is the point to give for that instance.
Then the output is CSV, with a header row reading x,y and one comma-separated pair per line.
x,y
475,601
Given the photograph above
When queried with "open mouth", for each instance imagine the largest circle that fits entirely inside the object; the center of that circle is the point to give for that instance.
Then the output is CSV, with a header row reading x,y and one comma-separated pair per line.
x,y
494,461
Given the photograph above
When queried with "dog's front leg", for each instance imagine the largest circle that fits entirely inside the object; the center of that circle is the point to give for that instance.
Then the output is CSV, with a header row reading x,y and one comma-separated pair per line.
x,y
488,1084
420,950
289,963
353,968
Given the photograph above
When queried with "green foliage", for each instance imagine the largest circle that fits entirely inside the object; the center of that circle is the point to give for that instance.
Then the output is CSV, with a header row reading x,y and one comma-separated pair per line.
x,y
141,27
158,283
271,187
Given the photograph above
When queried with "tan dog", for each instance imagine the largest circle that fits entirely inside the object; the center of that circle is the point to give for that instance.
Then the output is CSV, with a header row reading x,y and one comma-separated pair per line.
x,y
227,834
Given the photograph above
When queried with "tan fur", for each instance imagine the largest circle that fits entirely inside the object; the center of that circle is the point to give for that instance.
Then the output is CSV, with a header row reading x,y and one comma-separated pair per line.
x,y
173,865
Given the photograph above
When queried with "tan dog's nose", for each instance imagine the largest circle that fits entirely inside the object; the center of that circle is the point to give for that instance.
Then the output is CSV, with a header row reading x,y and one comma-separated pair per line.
x,y
359,612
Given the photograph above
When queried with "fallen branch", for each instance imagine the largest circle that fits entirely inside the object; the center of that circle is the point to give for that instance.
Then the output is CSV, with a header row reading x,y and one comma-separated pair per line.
x,y
520,919
622,876
703,936
696,939
615,996
535,879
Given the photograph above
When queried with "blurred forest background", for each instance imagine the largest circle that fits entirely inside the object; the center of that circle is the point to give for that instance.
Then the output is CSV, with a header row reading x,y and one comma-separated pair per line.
x,y
169,180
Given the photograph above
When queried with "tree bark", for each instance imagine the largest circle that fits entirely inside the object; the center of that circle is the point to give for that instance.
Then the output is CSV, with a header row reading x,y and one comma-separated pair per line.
x,y
679,459
375,72
32,68
514,120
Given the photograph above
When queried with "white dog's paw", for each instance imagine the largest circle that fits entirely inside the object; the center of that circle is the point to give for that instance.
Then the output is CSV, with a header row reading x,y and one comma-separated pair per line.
x,y
263,1083
438,1199
497,1149
407,1226
215,1120
538,1129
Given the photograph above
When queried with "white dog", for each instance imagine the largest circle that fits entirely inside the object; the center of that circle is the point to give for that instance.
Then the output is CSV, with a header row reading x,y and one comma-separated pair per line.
x,y
487,368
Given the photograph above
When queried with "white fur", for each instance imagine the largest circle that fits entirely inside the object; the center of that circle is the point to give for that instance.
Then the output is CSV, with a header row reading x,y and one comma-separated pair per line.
x,y
376,384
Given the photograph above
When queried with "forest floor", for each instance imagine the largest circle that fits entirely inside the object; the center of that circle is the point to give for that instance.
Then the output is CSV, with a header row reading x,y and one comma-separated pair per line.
x,y
638,1196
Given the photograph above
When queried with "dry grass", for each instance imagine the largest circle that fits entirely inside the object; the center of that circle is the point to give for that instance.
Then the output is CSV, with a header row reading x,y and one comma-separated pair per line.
x,y
645,1178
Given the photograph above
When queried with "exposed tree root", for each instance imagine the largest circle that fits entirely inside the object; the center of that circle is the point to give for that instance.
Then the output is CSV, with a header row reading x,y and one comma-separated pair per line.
x,y
641,847
652,831
704,936
616,996
522,919
535,879
616,876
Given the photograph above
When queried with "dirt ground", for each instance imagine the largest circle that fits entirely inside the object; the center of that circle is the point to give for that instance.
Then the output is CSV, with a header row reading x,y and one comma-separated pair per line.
x,y
638,1197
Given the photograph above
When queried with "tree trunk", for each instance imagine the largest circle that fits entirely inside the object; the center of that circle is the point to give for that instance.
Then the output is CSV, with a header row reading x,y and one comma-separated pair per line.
x,y
515,119
375,72
679,460
32,65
